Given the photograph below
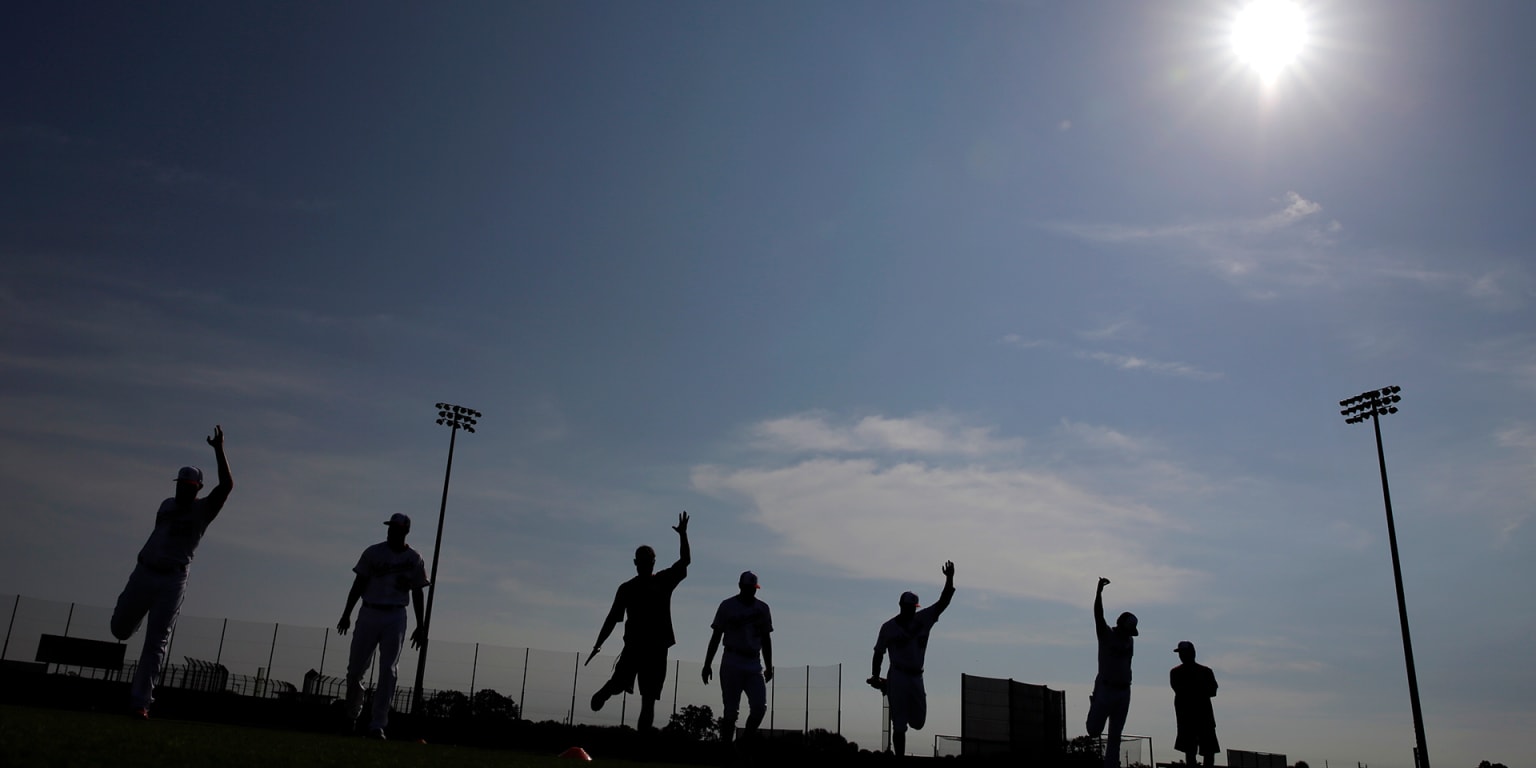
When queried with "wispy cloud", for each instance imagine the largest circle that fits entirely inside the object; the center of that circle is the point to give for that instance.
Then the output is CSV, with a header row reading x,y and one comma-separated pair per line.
x,y
1018,525
927,434
1134,363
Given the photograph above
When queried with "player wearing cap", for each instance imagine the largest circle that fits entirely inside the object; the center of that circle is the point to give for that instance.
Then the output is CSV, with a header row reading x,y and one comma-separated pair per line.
x,y
390,576
1194,685
744,623
906,637
1111,698
159,581
644,604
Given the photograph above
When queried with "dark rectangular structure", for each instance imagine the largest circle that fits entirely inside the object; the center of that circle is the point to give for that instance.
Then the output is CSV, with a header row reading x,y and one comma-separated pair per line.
x,y
80,652
1006,717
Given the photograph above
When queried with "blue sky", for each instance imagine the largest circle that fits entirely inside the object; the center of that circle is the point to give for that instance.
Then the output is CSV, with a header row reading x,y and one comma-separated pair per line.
x,y
1052,290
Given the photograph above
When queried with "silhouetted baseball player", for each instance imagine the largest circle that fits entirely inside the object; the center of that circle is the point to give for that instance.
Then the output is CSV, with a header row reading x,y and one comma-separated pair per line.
x,y
746,626
644,604
159,581
1111,698
1194,685
390,576
906,637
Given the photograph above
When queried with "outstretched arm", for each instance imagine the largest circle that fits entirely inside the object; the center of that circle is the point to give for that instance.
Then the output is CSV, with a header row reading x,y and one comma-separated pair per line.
x,y
359,584
709,655
684,556
226,481
1098,606
948,569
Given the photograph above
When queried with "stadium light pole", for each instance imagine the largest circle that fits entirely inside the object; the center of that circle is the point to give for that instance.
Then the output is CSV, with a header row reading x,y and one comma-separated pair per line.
x,y
455,417
1372,405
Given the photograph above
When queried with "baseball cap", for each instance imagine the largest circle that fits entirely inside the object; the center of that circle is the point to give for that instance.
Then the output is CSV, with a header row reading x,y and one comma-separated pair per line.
x,y
1185,645
399,519
190,475
909,598
748,579
1128,620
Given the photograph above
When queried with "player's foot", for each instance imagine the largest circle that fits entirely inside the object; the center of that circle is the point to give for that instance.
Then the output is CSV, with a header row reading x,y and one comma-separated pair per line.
x,y
376,733
598,700
139,714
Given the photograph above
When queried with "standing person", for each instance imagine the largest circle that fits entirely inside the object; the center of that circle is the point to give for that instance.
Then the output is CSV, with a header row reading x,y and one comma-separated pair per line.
x,y
644,604
1194,685
906,637
390,576
745,624
1111,699
159,581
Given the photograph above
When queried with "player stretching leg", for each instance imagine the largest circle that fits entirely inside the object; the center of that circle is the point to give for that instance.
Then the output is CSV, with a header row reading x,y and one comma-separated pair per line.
x,y
906,637
159,581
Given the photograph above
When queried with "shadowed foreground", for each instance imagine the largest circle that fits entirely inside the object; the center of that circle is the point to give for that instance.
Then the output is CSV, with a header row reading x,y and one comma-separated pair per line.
x,y
42,737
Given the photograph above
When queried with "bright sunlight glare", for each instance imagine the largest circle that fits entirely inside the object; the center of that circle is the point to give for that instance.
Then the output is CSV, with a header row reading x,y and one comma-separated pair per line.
x,y
1268,35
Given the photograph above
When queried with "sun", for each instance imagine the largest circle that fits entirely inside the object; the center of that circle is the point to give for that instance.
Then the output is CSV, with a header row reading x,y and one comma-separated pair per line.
x,y
1269,36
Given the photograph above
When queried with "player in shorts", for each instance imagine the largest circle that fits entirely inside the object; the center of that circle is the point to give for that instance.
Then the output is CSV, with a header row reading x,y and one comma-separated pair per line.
x,y
906,637
746,626
644,604
390,576
1194,685
1111,697
159,581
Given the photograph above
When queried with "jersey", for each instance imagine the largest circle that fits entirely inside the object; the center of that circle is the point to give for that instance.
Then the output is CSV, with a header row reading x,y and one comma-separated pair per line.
x,y
1193,686
391,574
908,644
644,604
742,625
1115,652
178,530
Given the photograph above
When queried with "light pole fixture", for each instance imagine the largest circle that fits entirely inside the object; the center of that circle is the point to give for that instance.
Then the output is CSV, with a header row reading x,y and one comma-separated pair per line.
x,y
455,417
1372,405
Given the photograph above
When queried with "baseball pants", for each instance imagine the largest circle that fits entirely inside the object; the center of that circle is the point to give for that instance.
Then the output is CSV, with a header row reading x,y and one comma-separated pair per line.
x,y
1110,703
384,629
908,700
158,595
737,678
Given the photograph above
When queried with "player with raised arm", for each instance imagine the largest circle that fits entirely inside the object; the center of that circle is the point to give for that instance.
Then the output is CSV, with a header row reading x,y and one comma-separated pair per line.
x,y
1111,698
644,604
746,626
906,637
159,580
389,576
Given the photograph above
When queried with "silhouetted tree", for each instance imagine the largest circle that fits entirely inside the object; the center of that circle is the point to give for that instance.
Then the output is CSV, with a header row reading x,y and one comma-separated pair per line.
x,y
698,723
446,704
1486,764
488,705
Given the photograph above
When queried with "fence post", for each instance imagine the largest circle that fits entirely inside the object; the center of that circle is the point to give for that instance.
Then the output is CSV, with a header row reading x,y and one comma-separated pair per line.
x,y
273,652
219,655
570,716
170,642
677,667
839,698
474,666
325,640
807,699
12,625
522,694
69,619
773,698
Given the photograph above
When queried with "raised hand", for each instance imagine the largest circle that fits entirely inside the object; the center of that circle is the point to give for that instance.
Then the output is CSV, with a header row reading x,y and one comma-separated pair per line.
x,y
217,440
682,524
948,569
1103,582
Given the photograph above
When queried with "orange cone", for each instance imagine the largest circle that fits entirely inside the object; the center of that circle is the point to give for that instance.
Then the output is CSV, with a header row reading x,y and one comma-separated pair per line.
x,y
576,753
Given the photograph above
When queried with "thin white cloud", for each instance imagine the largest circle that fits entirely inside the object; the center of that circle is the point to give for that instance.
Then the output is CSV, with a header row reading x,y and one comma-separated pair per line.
x,y
1135,363
927,434
1031,527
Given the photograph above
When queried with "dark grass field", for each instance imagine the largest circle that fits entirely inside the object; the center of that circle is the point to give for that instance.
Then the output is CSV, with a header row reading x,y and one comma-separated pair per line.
x,y
51,737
